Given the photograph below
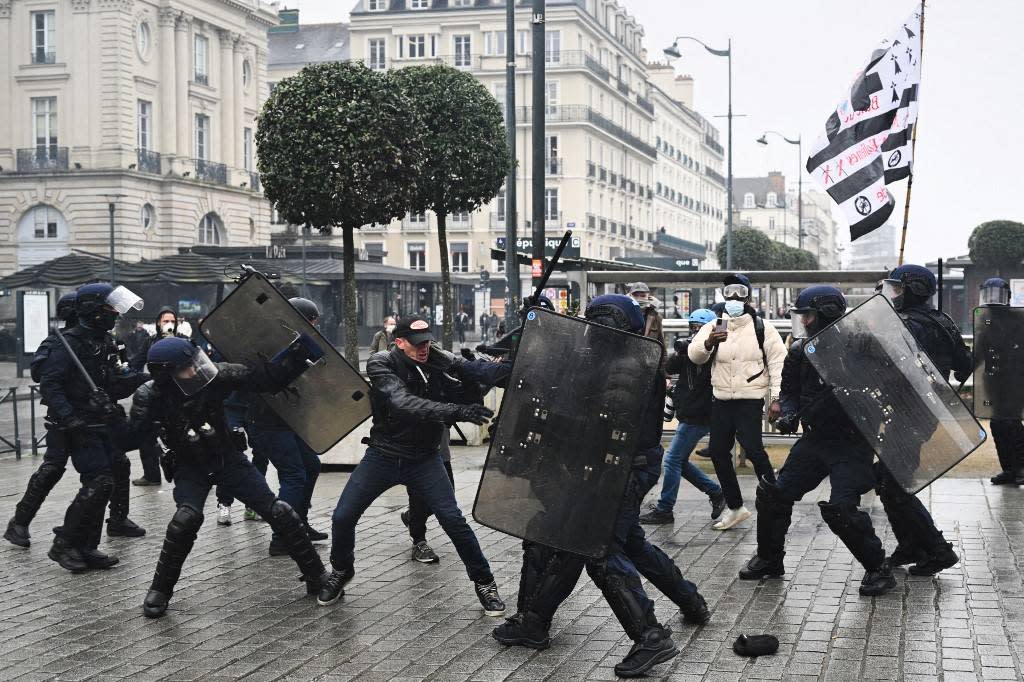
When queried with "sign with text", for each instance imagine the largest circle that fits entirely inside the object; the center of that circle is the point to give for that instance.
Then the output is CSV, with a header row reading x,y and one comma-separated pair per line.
x,y
524,245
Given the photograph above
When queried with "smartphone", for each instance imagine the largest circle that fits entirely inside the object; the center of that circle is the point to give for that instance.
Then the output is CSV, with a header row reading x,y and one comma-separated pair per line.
x,y
722,325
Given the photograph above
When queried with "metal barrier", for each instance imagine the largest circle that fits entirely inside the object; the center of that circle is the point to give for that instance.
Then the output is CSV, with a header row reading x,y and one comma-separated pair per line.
x,y
13,442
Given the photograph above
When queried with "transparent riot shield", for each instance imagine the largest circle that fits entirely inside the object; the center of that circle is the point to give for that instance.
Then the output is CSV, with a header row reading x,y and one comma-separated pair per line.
x,y
567,432
915,421
999,362
252,324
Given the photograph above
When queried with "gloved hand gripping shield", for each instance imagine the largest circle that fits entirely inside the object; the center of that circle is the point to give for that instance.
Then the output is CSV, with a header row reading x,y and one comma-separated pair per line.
x,y
326,398
566,436
893,393
999,362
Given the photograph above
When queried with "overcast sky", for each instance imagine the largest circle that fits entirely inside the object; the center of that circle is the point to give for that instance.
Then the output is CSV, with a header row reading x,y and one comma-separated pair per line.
x,y
793,60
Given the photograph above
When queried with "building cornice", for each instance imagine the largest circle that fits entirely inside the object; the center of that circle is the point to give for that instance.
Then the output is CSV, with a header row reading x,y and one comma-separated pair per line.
x,y
5,9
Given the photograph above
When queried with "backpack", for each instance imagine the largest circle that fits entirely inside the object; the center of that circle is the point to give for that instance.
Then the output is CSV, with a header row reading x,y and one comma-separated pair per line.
x,y
759,333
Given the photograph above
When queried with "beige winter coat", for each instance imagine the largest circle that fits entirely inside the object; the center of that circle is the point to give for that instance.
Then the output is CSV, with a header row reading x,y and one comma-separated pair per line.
x,y
739,358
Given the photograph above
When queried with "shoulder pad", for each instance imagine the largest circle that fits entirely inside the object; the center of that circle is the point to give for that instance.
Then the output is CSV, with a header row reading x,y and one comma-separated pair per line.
x,y
146,393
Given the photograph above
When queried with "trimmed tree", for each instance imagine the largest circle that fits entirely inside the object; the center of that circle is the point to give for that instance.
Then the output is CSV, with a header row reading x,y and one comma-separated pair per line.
x,y
464,154
751,250
339,147
997,244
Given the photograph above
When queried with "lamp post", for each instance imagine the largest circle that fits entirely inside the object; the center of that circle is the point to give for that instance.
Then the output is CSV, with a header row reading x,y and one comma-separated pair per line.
x,y
111,206
672,52
511,190
799,180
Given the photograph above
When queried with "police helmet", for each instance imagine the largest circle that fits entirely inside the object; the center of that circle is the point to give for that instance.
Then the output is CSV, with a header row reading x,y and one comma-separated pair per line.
x,y
816,307
91,298
995,291
616,311
179,360
306,307
66,307
917,280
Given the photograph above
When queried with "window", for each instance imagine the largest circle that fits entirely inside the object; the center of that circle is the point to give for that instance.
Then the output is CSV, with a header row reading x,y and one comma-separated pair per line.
x,y
417,46
202,137
551,204
499,205
200,56
460,256
494,43
417,255
246,74
418,219
247,149
378,54
147,217
551,98
210,230
463,52
377,5
522,42
553,47
143,37
460,217
748,200
43,40
45,219
772,200
419,4
461,3
771,224
145,117
499,94
44,126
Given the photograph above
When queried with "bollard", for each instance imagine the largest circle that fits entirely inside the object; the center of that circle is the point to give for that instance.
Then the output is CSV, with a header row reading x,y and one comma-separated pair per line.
x,y
17,430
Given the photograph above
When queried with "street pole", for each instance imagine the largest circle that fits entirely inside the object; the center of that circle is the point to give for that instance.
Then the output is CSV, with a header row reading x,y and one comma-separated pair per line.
x,y
305,288
537,166
728,200
113,271
800,193
511,190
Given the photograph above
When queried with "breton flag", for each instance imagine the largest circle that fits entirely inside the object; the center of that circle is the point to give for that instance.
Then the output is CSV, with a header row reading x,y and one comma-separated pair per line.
x,y
866,143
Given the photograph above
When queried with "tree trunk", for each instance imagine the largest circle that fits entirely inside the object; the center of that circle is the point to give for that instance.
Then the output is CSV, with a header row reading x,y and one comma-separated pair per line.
x,y
349,309
446,279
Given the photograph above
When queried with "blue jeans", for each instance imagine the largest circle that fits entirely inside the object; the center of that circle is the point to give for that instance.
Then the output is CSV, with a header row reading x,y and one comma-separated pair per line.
x,y
425,478
677,465
298,467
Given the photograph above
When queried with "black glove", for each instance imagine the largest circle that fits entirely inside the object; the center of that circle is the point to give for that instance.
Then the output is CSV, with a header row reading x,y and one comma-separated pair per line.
x,y
475,414
115,415
468,354
74,424
100,401
238,438
787,423
679,346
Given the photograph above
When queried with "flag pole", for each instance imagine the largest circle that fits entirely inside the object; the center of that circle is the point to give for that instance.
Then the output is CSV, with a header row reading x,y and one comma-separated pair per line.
x,y
913,153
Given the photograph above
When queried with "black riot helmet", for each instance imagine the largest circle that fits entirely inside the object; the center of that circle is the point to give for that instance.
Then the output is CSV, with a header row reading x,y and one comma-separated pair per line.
x,y
816,307
99,304
66,310
995,291
909,285
306,308
616,311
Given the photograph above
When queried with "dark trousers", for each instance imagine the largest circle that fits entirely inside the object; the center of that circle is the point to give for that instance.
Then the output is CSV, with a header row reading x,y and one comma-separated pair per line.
x,y
238,478
1008,435
298,467
419,511
731,421
425,478
149,455
260,461
92,454
911,522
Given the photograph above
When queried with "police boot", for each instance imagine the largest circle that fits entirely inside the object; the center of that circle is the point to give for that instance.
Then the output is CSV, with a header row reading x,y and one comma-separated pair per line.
x,y
938,559
524,629
758,568
691,605
39,486
181,535
82,524
94,558
1005,478
67,556
17,534
901,556
291,533
877,581
543,587
1018,476
653,643
119,525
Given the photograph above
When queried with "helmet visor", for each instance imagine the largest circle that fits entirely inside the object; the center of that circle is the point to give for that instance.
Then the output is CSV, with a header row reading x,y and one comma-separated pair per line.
x,y
736,291
994,296
802,323
194,375
892,289
123,299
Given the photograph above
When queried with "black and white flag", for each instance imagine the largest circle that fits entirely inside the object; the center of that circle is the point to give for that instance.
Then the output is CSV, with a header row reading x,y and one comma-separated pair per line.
x,y
866,143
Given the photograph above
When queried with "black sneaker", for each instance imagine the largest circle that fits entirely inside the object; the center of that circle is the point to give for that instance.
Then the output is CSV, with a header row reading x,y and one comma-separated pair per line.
x,y
758,568
314,535
1003,478
144,481
405,517
877,582
902,555
695,610
17,534
333,588
717,501
487,593
313,585
523,630
155,604
125,528
67,556
422,553
655,647
656,517
940,561
277,548
703,452
97,559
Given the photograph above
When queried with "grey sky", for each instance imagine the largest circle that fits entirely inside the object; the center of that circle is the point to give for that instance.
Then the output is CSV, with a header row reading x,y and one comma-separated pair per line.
x,y
792,61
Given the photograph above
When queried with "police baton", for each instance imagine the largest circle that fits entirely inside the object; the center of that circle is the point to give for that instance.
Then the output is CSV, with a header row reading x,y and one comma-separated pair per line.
x,y
550,267
78,363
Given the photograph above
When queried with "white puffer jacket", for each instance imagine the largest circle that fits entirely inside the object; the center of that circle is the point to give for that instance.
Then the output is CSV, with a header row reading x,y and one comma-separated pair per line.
x,y
739,358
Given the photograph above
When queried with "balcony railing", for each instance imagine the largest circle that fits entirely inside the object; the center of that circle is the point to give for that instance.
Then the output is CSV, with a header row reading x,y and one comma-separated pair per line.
x,y
602,174
208,171
645,104
573,113
591,169
553,166
591,221
553,220
613,179
42,159
711,142
149,161
717,177
254,182
41,56
622,87
202,79
459,223
412,225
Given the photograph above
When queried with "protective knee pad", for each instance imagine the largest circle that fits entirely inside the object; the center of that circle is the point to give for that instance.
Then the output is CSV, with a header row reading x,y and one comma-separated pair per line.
x,y
286,522
853,527
181,535
185,524
770,499
49,475
39,486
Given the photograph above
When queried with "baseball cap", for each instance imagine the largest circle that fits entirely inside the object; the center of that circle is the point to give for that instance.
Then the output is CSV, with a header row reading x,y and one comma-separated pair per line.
x,y
414,329
639,287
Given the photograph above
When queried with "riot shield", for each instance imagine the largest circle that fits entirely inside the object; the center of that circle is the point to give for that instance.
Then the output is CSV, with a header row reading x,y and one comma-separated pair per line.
x,y
567,432
252,324
895,396
999,362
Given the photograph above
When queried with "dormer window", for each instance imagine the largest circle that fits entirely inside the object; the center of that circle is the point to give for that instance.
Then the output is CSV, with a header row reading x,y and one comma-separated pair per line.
x,y
748,200
772,200
419,4
376,5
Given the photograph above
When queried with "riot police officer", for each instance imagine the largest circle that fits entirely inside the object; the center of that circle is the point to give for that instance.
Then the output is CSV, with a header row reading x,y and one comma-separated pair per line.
x,y
184,403
80,392
1008,434
910,288
830,447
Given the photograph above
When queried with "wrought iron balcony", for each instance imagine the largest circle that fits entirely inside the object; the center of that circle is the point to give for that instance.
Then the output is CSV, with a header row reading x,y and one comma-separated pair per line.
x,y
149,161
591,169
553,165
43,56
602,174
711,142
202,79
717,177
579,113
42,159
645,104
553,219
622,87
412,223
254,182
208,171
459,223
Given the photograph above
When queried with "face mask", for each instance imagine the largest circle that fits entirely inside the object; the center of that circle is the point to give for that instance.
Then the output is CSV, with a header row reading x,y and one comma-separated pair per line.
x,y
167,328
389,328
104,320
734,308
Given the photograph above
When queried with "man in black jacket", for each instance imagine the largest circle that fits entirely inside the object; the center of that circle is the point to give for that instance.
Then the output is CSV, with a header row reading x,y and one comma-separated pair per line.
x,y
414,404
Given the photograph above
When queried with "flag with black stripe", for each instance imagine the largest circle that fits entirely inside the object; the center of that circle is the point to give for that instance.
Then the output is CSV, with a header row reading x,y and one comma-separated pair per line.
x,y
866,143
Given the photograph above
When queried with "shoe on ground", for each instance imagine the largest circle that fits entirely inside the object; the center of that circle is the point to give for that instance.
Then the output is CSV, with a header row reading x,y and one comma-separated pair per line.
x,y
314,585
333,588
143,481
124,528
67,556
939,561
278,548
525,630
1004,478
877,582
656,516
655,647
702,452
155,604
17,534
732,517
717,501
758,568
405,518
1019,477
487,593
250,515
695,610
422,553
903,555
314,535
223,515
97,559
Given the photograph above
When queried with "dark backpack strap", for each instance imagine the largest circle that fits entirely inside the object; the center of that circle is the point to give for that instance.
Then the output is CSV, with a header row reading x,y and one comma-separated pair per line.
x,y
759,332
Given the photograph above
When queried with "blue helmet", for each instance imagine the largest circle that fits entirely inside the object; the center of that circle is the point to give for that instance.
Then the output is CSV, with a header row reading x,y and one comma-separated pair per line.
x,y
616,311
169,354
995,291
916,279
827,301
90,298
305,307
702,316
66,309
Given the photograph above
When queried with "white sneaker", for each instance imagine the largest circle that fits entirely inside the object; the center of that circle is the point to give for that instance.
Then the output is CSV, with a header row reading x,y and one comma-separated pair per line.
x,y
732,517
224,515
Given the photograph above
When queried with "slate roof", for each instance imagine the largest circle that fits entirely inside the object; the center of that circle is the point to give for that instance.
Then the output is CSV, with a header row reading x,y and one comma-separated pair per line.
x,y
319,43
760,187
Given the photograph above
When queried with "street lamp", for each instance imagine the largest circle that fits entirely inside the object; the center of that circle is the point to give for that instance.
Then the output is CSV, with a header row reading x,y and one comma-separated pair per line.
x,y
672,52
800,179
111,206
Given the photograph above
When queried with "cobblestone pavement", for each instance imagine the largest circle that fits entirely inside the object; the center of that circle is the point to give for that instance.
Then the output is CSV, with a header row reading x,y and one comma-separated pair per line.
x,y
239,614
